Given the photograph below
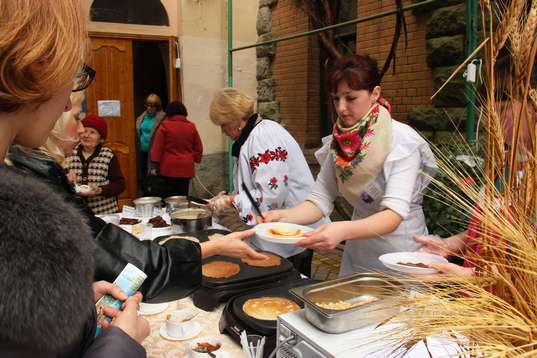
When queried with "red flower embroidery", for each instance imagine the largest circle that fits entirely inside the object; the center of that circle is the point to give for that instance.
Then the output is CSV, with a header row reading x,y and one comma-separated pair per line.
x,y
273,183
278,154
285,179
254,163
282,154
265,157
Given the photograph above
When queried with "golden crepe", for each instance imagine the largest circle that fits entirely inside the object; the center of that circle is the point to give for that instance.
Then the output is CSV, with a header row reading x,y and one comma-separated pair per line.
x,y
175,237
220,269
269,308
271,260
283,231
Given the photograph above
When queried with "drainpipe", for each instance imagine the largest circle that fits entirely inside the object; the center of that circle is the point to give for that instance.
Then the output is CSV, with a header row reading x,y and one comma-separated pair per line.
x,y
470,89
229,84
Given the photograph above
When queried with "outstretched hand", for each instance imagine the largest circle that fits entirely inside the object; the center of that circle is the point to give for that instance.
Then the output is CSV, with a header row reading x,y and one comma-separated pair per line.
x,y
233,246
325,237
433,245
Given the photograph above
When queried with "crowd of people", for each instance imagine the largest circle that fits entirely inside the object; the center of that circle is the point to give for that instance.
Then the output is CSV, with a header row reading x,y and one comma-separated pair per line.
x,y
58,173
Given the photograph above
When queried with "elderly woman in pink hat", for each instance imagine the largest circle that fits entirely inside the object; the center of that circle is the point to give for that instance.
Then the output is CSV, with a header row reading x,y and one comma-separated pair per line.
x,y
96,167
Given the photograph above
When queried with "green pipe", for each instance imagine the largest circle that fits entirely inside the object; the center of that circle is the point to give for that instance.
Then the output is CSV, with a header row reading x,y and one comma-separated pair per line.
x,y
470,88
229,84
331,27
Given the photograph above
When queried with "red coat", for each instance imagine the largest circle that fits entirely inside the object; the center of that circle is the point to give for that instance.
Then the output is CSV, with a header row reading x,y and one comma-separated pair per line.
x,y
176,146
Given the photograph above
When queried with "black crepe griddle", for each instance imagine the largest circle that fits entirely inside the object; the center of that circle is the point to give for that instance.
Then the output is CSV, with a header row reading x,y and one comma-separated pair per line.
x,y
197,235
214,291
202,236
233,320
246,273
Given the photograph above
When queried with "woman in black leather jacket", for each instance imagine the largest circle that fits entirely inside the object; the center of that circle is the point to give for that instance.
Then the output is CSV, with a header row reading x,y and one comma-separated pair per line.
x,y
173,270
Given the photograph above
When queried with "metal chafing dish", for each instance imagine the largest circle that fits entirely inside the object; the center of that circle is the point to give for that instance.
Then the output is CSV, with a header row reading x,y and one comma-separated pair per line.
x,y
380,296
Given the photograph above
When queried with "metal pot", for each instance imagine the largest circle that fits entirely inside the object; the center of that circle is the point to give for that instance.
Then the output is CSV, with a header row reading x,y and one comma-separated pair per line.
x,y
146,205
175,202
191,220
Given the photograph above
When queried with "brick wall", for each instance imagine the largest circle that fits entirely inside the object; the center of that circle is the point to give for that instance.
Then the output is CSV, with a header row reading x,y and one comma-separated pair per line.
x,y
291,68
412,83
296,65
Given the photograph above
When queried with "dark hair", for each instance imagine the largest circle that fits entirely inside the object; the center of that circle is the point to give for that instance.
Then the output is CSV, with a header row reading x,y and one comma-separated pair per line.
x,y
176,108
360,72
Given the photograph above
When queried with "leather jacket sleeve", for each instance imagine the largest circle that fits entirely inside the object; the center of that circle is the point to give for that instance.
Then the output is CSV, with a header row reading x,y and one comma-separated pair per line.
x,y
173,270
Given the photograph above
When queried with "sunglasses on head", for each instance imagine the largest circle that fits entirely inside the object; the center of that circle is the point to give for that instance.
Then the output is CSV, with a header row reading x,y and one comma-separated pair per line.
x,y
84,78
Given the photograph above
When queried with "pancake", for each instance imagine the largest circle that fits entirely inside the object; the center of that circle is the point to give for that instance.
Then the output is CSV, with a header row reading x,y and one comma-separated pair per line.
x,y
282,231
220,269
270,261
269,308
175,237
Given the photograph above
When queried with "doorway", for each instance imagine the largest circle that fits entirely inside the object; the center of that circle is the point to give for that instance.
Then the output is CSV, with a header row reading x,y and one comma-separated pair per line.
x,y
150,66
129,67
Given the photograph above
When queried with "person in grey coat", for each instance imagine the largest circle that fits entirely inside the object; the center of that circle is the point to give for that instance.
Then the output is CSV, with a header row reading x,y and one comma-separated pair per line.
x,y
46,273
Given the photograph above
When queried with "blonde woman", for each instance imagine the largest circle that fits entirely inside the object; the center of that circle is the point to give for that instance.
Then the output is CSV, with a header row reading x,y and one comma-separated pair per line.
x,y
268,160
66,132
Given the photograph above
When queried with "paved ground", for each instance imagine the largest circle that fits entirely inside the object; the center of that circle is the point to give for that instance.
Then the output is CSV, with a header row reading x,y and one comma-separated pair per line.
x,y
325,266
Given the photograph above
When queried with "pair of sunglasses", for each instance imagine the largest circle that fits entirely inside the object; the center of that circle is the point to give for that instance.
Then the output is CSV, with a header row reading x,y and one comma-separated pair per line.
x,y
152,105
84,78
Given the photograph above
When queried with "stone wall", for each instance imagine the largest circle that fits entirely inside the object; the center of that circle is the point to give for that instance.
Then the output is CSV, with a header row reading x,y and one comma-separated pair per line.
x,y
211,172
266,85
444,31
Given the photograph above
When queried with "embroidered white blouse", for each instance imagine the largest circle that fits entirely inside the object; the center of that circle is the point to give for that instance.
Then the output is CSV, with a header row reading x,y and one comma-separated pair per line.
x,y
398,187
276,173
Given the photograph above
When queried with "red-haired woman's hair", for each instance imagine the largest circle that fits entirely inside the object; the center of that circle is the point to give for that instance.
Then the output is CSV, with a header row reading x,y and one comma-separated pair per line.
x,y
360,72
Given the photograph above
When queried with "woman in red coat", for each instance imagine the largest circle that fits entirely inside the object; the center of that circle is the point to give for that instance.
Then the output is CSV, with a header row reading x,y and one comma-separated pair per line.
x,y
176,147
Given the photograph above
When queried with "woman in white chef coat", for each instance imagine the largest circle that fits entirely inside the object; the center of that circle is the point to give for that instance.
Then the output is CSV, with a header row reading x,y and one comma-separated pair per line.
x,y
269,161
376,163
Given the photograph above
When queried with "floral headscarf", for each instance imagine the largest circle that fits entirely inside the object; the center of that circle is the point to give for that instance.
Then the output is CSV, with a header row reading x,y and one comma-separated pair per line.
x,y
359,152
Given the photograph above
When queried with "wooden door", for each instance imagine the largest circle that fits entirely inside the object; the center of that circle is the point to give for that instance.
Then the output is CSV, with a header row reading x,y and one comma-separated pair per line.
x,y
112,59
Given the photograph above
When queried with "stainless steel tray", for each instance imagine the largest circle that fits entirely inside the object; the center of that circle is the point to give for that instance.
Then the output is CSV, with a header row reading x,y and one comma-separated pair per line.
x,y
386,292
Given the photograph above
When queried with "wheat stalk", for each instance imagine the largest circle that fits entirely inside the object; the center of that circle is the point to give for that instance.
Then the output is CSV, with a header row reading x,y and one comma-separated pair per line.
x,y
509,20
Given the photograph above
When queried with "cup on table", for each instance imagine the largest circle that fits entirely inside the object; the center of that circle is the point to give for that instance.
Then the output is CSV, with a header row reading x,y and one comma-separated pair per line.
x,y
180,322
201,347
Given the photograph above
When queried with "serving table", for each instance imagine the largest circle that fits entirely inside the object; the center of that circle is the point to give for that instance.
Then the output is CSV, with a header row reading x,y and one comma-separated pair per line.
x,y
159,347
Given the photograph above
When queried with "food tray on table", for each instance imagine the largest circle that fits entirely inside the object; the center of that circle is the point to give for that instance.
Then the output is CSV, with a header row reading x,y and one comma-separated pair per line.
x,y
351,302
214,291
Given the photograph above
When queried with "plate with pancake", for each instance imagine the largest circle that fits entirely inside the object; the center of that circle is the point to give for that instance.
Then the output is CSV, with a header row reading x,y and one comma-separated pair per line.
x,y
281,233
412,262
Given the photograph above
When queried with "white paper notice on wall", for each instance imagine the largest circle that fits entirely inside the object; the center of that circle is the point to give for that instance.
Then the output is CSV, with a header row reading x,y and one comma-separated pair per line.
x,y
109,108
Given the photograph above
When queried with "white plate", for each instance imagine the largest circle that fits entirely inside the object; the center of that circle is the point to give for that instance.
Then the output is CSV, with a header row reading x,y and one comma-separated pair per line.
x,y
392,260
193,333
152,308
81,189
262,231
